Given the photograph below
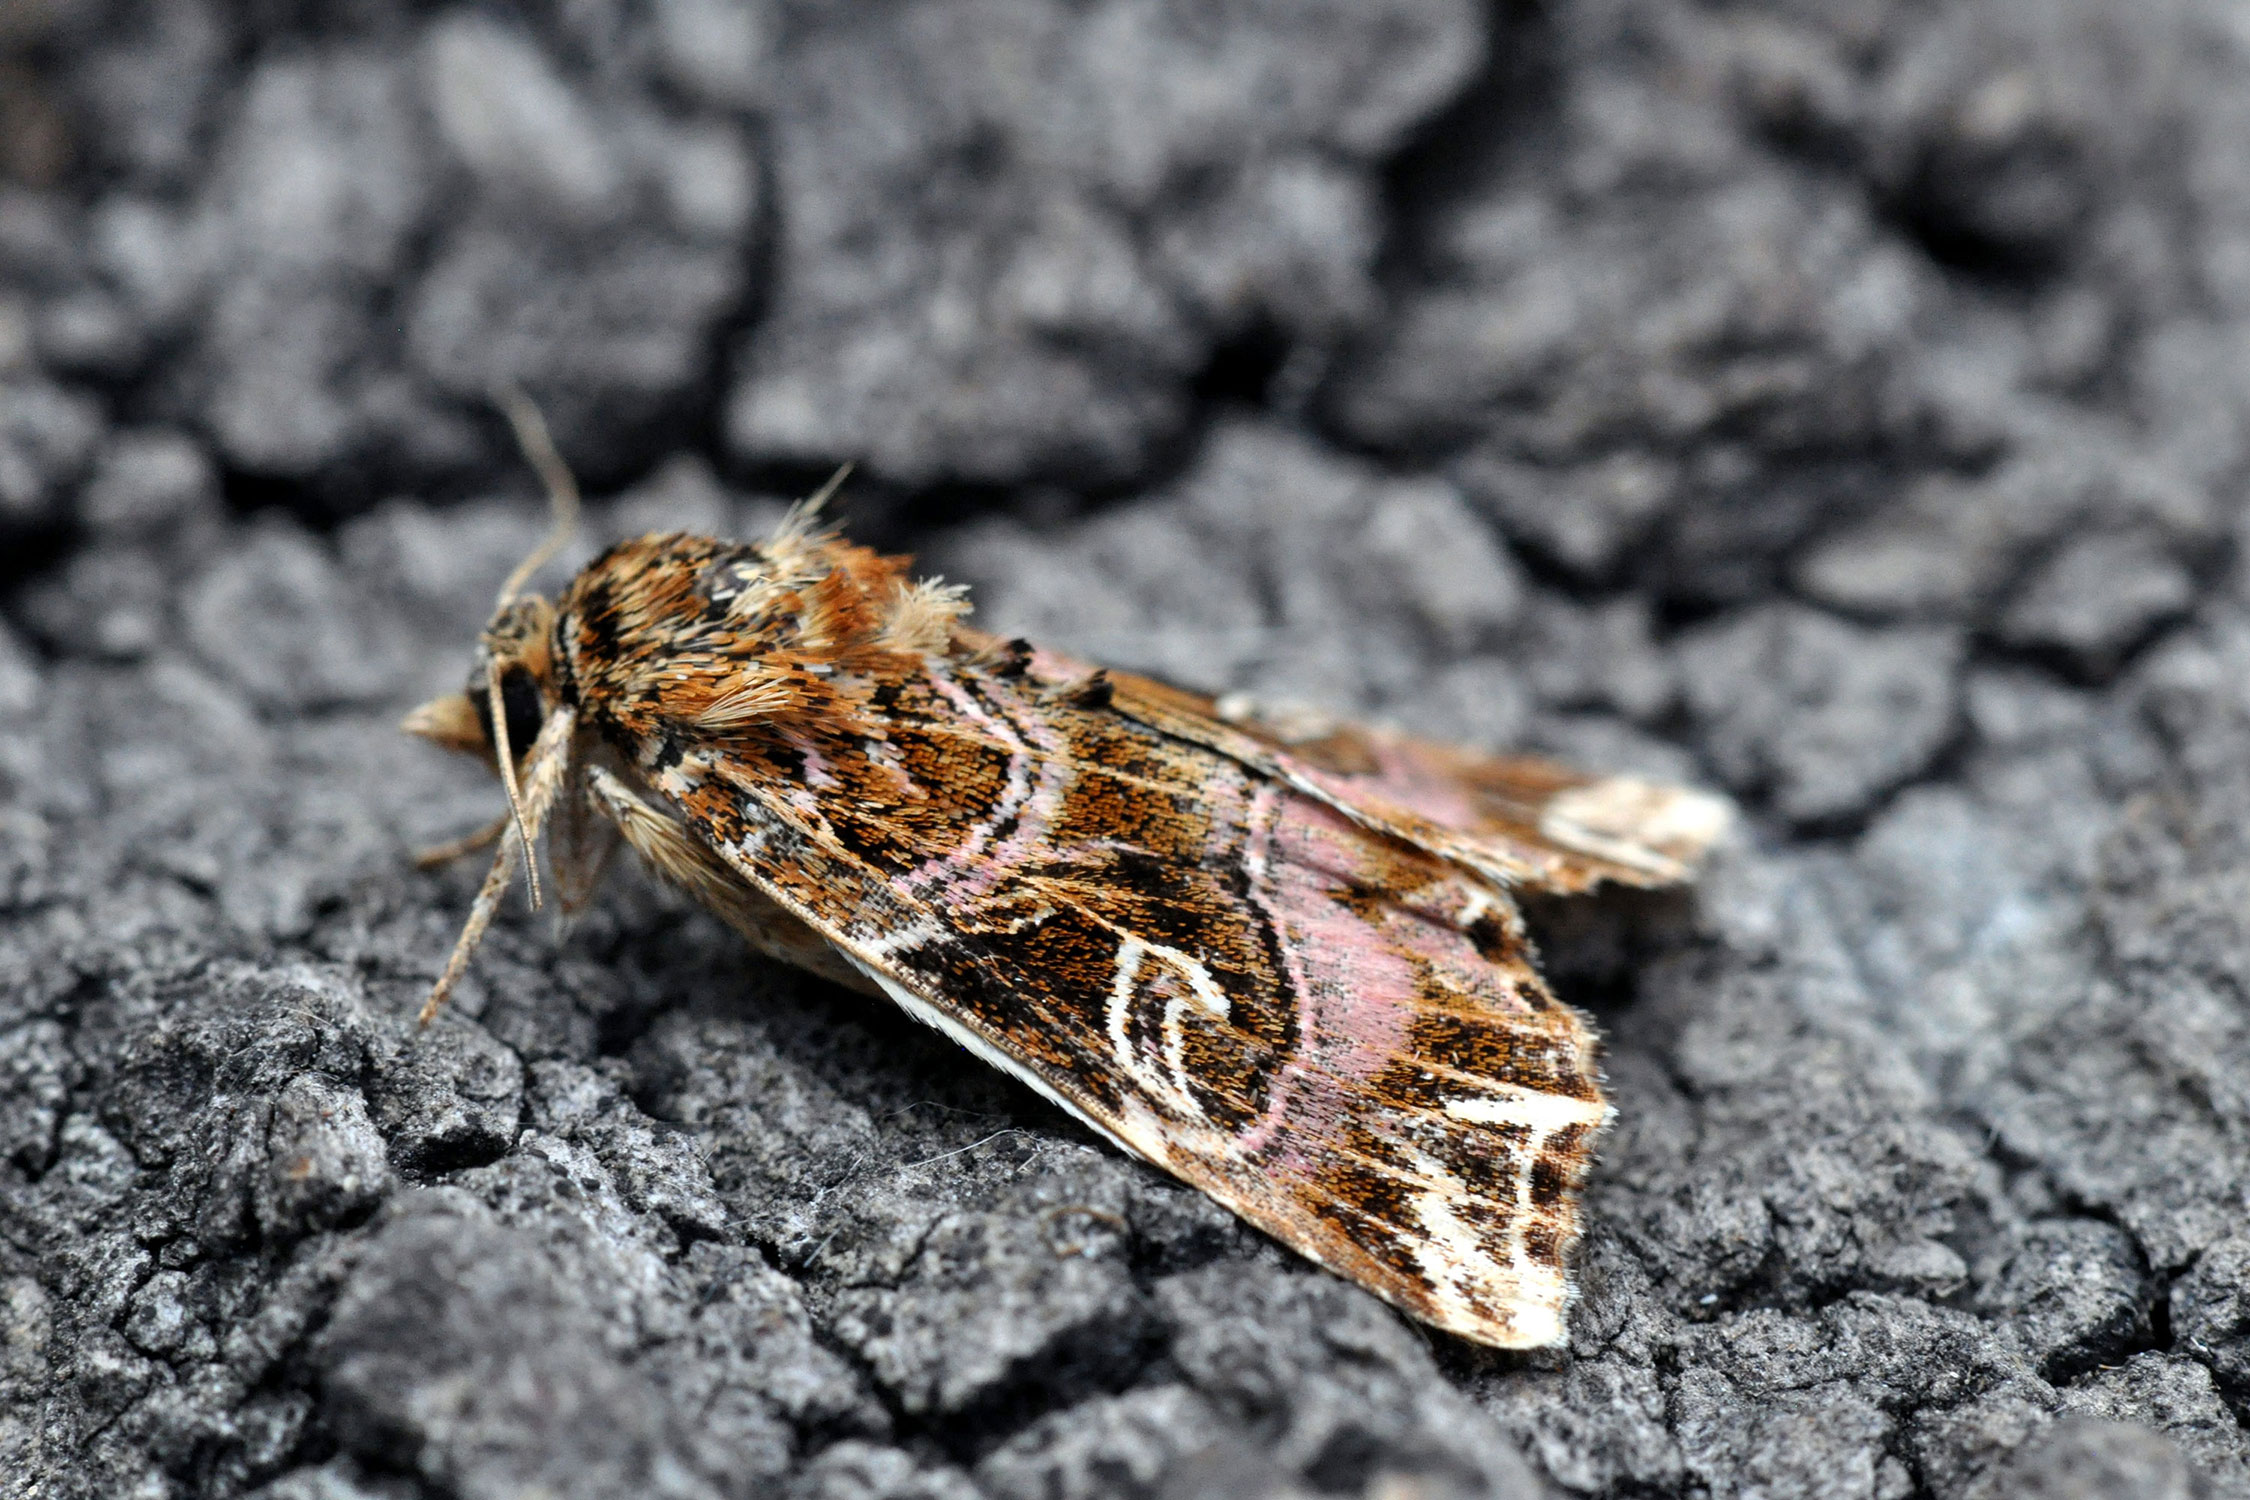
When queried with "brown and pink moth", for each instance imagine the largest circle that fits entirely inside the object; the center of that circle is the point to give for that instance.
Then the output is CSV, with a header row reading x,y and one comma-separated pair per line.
x,y
1284,962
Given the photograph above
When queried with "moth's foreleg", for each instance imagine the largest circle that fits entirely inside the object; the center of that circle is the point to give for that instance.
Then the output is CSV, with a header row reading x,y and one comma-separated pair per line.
x,y
468,843
543,779
487,904
579,845
657,837
676,855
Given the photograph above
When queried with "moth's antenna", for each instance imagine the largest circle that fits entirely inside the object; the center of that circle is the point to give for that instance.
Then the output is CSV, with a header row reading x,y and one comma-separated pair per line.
x,y
505,754
538,447
562,490
811,504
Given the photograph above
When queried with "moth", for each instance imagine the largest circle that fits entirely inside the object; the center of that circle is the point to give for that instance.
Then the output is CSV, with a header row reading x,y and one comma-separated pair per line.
x,y
1280,959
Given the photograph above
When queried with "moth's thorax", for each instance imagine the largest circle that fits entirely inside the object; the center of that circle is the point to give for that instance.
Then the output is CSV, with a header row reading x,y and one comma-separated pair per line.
x,y
673,634
638,597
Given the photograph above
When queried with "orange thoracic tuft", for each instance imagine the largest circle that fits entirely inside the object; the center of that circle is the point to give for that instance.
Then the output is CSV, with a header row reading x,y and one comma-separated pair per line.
x,y
724,637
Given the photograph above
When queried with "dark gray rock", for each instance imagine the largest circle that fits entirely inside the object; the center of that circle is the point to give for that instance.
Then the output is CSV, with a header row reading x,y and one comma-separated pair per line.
x,y
853,1470
2208,1311
449,1095
608,249
38,1064
340,1480
462,1352
2098,598
324,1164
2077,1294
280,621
1609,341
1136,1444
147,481
2015,550
345,249
320,179
2026,131
152,86
613,345
113,605
944,1341
1017,230
47,434
1361,1412
1816,715
2175,1397
1276,566
2087,1458
1628,398
1599,1425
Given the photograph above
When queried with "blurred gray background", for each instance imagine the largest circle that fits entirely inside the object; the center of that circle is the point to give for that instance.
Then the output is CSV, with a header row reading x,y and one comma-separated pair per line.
x,y
1841,405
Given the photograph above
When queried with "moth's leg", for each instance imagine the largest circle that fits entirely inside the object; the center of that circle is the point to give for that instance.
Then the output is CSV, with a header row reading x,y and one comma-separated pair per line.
x,y
676,855
468,843
543,778
481,912
579,845
657,837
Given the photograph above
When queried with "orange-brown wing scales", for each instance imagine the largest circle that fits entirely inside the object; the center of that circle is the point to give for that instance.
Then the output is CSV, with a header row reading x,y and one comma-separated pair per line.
x,y
1338,1035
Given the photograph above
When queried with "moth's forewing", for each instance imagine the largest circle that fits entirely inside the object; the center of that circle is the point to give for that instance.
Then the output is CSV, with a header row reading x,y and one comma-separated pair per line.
x,y
1529,821
1336,1035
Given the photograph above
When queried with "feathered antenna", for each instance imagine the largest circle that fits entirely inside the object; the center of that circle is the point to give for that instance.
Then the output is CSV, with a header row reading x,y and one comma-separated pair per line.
x,y
538,447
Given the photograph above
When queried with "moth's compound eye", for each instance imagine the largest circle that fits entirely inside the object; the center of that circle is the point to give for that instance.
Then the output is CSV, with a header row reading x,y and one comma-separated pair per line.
x,y
519,699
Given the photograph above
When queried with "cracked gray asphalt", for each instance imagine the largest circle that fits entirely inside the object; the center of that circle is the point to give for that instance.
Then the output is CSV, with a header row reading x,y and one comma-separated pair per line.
x,y
1846,406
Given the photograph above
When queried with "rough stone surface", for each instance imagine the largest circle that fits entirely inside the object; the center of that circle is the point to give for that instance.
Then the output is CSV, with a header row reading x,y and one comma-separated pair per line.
x,y
1018,229
1845,406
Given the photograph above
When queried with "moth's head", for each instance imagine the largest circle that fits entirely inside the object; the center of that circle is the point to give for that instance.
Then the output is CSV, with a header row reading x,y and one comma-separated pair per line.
x,y
511,689
515,653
